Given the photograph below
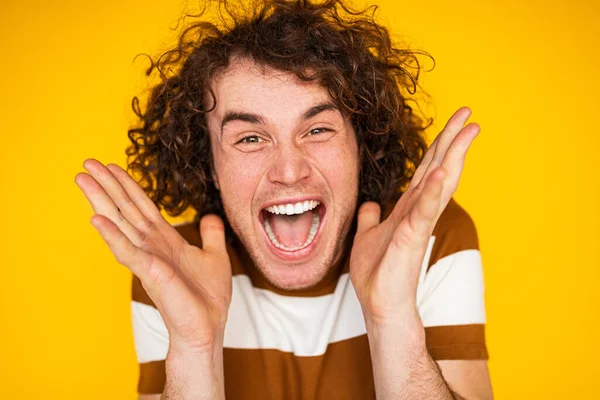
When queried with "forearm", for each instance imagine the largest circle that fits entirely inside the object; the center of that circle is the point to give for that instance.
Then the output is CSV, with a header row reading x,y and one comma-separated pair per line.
x,y
402,366
194,375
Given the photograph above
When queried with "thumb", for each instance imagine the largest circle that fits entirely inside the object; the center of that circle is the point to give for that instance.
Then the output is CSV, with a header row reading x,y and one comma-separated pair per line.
x,y
369,215
212,232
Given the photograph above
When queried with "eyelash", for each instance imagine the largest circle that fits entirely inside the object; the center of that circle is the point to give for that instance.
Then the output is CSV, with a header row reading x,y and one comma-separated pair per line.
x,y
244,140
315,129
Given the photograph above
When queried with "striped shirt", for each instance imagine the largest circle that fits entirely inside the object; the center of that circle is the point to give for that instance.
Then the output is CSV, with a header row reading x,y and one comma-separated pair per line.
x,y
313,344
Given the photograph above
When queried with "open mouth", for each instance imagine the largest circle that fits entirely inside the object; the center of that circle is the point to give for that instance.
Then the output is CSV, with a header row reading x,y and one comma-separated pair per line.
x,y
291,227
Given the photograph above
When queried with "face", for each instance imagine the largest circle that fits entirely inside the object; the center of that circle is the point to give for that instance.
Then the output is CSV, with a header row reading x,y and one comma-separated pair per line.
x,y
286,164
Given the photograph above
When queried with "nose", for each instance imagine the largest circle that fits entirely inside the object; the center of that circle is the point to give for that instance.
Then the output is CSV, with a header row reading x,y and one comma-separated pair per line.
x,y
290,166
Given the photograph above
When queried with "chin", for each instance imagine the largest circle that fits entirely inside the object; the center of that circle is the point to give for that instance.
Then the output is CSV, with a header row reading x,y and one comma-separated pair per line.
x,y
287,277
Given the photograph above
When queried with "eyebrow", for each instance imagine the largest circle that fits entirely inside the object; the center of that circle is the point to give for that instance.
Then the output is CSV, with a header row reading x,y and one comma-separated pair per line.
x,y
233,115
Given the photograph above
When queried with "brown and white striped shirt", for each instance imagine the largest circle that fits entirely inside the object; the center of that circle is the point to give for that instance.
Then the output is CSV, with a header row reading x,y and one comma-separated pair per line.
x,y
313,344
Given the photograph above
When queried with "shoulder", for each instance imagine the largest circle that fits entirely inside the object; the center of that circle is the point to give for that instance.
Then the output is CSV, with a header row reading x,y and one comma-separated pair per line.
x,y
455,231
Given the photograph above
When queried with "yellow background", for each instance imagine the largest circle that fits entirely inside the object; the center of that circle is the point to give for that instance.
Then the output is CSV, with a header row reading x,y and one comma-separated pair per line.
x,y
529,71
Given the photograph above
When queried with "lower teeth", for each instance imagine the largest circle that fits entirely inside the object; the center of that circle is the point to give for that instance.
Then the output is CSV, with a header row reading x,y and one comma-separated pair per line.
x,y
311,234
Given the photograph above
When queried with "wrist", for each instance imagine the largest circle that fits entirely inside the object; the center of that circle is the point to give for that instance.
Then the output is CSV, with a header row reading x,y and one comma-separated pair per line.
x,y
180,359
403,318
196,349
402,333
399,356
194,373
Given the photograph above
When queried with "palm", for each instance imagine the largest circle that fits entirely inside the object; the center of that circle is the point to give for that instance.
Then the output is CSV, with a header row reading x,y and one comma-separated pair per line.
x,y
191,287
378,254
386,256
191,294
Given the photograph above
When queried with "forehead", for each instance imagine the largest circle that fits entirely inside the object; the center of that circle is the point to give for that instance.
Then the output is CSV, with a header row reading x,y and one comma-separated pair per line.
x,y
246,86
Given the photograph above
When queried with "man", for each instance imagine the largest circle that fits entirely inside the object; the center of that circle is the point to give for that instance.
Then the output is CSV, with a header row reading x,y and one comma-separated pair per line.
x,y
320,264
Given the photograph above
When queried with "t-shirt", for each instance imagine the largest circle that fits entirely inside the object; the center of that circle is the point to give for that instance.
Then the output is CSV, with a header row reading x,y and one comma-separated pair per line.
x,y
313,344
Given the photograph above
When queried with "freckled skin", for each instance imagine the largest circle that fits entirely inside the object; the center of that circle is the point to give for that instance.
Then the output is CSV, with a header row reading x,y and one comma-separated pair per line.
x,y
282,160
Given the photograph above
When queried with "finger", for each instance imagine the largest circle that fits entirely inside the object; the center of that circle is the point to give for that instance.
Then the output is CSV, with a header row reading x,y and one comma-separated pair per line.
x,y
136,193
117,193
102,204
424,163
423,216
455,157
212,232
452,128
369,216
134,258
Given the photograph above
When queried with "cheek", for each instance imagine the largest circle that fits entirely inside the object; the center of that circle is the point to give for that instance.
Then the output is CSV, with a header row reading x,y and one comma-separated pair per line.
x,y
339,165
238,178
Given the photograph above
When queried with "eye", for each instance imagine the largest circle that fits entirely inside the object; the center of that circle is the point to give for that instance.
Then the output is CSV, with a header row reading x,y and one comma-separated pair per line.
x,y
317,131
320,134
250,140
251,143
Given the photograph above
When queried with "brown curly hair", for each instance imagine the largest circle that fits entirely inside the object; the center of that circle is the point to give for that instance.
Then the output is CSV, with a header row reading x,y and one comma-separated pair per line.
x,y
344,50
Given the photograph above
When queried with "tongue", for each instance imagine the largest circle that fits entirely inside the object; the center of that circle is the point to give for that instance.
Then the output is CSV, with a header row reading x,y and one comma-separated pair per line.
x,y
291,230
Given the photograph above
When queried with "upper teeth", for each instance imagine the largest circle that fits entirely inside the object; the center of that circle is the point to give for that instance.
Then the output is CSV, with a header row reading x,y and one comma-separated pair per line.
x,y
290,209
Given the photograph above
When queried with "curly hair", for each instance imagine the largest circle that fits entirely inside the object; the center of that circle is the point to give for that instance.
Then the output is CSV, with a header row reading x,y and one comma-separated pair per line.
x,y
344,50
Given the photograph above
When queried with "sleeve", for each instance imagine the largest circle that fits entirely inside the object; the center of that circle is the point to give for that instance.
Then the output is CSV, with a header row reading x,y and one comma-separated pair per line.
x,y
450,294
151,340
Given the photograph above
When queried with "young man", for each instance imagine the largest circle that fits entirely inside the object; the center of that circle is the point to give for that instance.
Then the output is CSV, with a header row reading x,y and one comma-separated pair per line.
x,y
321,264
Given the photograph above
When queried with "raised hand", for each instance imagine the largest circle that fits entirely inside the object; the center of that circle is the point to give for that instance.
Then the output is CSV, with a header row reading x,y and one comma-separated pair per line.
x,y
386,256
191,287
